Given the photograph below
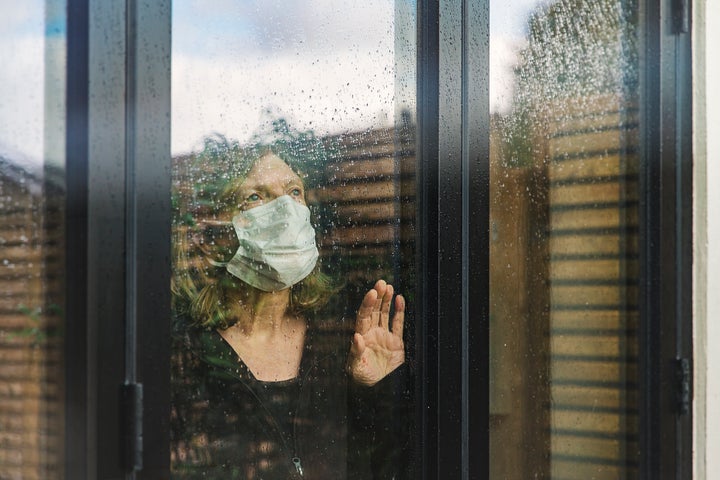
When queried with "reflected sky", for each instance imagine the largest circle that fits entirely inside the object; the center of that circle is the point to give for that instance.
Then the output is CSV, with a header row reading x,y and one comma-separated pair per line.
x,y
323,65
22,41
508,32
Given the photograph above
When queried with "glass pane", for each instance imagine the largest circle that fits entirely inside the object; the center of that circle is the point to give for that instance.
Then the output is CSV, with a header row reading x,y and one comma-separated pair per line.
x,y
564,239
284,110
32,149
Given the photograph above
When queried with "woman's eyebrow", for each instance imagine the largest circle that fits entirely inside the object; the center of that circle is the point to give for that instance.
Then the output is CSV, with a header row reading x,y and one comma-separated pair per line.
x,y
294,181
258,185
244,186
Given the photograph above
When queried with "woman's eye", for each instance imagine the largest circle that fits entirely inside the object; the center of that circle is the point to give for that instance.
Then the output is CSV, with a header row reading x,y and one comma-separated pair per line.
x,y
296,192
253,198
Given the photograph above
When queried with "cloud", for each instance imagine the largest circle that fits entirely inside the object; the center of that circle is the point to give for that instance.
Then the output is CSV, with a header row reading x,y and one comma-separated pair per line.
x,y
205,29
511,18
323,66
503,59
21,18
22,95
327,94
22,80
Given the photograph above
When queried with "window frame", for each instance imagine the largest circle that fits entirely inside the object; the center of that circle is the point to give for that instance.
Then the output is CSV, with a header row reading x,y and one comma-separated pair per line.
x,y
453,189
666,210
118,239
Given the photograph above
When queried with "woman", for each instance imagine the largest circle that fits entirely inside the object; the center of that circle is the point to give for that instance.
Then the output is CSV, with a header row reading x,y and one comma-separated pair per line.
x,y
263,387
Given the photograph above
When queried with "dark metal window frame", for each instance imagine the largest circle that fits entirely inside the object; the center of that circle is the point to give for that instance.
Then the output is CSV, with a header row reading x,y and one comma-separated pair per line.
x,y
453,218
118,239
666,348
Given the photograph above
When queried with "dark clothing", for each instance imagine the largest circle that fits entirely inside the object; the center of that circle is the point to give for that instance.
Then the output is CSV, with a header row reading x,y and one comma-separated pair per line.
x,y
228,425
281,399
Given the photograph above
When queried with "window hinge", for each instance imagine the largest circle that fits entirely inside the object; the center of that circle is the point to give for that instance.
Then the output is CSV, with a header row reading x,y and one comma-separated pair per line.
x,y
681,16
683,378
132,404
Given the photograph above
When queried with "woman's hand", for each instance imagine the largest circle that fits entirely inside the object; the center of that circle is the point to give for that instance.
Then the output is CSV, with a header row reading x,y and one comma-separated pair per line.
x,y
376,351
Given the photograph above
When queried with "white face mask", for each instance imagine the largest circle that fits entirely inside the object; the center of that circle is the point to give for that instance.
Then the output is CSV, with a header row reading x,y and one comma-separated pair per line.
x,y
277,245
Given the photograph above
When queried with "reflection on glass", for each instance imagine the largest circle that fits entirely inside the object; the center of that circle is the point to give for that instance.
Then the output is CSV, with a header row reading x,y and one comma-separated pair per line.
x,y
293,180
32,52
564,268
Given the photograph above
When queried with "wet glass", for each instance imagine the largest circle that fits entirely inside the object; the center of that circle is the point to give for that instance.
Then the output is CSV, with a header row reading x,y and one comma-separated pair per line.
x,y
329,89
32,92
564,249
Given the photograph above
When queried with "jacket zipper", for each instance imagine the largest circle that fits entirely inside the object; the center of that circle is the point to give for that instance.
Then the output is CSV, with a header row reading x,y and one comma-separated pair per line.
x,y
296,458
298,466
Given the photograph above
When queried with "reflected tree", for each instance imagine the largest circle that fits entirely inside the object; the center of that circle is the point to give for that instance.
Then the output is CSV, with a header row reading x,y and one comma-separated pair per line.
x,y
576,51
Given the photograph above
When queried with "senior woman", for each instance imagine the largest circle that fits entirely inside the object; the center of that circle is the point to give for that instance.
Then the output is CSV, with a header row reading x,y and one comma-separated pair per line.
x,y
264,388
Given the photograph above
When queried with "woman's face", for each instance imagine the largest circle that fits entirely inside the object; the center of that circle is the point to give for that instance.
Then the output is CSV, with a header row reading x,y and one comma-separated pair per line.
x,y
270,178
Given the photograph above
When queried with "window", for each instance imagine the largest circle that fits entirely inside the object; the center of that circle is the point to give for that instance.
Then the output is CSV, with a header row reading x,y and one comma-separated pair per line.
x,y
277,104
540,233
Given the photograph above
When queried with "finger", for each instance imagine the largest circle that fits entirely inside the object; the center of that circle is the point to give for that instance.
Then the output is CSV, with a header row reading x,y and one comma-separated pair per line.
x,y
385,307
399,317
380,287
363,320
357,346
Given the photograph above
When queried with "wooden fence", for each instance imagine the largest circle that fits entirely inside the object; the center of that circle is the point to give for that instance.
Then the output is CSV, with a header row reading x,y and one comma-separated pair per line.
x,y
563,275
31,387
592,168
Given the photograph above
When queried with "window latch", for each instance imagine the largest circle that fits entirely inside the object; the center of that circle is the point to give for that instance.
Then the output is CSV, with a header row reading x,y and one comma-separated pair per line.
x,y
683,384
132,404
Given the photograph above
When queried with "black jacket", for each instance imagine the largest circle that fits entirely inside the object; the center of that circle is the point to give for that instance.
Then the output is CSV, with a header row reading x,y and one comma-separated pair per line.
x,y
223,428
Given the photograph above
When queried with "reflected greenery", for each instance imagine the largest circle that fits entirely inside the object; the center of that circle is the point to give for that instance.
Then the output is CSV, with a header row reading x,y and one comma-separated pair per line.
x,y
576,51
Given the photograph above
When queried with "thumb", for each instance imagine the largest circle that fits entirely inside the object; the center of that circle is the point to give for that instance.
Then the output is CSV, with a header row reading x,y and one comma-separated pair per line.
x,y
357,347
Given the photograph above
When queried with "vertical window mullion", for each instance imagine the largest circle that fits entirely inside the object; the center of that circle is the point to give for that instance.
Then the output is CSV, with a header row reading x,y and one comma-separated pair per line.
x,y
109,126
451,225
476,170
106,225
428,371
452,235
76,386
153,258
